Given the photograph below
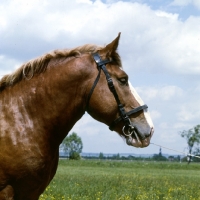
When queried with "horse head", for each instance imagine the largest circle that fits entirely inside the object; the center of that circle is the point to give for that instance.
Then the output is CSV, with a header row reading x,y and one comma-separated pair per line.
x,y
113,100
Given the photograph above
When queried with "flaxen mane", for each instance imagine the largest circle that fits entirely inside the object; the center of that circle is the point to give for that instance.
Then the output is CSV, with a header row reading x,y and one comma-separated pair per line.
x,y
39,65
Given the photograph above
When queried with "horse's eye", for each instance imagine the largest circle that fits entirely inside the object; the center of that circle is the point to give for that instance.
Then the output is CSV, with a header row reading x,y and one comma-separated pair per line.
x,y
123,81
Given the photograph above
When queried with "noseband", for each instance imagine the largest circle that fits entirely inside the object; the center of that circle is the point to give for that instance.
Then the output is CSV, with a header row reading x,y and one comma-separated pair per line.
x,y
128,128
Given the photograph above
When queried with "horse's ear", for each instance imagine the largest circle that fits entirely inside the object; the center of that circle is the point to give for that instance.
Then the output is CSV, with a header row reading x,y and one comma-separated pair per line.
x,y
112,47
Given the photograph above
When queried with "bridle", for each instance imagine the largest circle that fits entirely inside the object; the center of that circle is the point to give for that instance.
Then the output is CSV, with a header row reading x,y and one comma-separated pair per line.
x,y
128,128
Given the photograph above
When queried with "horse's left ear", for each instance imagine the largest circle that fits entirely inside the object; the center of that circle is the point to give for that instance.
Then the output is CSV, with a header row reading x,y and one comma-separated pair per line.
x,y
112,47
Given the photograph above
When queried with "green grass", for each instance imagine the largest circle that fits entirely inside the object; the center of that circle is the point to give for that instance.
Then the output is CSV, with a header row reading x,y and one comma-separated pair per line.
x,y
121,180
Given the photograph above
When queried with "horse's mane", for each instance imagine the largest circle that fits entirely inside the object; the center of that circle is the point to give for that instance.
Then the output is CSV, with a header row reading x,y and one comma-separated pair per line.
x,y
39,65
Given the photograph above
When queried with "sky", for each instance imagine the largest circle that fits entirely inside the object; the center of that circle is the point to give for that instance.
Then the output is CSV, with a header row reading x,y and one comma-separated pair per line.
x,y
159,48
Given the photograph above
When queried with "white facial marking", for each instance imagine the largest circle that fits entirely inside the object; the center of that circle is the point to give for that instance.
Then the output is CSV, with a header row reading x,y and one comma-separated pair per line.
x,y
140,101
135,94
148,118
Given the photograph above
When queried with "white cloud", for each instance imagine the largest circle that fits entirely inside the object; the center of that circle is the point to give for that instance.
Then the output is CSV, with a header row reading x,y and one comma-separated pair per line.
x,y
85,126
155,114
181,2
7,65
168,92
147,92
189,112
165,93
163,14
153,41
182,126
195,3
197,89
156,40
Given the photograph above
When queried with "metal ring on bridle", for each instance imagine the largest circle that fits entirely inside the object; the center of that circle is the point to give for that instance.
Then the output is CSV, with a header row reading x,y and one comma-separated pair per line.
x,y
130,130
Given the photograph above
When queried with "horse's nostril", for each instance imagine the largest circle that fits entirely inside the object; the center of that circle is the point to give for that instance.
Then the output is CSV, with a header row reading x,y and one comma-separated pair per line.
x,y
150,133
143,135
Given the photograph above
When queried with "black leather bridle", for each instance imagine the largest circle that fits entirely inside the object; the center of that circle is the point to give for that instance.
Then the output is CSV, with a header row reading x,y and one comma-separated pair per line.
x,y
128,128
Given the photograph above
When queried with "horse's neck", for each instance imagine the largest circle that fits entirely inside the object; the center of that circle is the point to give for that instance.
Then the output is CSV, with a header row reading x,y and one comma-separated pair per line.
x,y
50,103
63,98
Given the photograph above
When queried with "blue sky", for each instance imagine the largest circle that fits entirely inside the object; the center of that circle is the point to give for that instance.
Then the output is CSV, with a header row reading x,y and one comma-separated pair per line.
x,y
159,47
184,8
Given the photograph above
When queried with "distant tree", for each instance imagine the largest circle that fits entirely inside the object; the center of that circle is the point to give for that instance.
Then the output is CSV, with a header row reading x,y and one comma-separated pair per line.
x,y
116,157
160,152
171,158
131,157
192,137
124,158
159,156
73,146
101,156
178,158
197,150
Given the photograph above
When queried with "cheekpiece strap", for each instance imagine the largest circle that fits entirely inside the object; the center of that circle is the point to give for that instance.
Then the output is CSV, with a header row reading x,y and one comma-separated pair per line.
x,y
101,64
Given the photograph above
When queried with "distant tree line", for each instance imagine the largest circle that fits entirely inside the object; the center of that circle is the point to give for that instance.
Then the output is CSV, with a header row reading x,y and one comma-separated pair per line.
x,y
155,157
72,145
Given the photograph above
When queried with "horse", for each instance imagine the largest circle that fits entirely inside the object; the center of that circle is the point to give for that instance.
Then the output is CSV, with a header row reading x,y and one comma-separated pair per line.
x,y
42,100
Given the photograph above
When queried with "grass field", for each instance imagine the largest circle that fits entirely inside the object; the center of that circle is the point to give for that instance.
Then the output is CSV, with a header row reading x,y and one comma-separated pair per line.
x,y
121,180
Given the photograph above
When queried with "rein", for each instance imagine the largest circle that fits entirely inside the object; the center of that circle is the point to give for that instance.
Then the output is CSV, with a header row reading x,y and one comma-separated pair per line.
x,y
128,128
186,154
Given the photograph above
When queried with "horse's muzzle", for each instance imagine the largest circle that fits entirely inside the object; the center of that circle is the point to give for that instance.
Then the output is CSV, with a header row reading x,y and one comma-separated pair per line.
x,y
137,138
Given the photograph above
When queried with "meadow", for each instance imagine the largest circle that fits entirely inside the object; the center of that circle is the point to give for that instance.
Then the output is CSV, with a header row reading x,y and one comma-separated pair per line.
x,y
123,180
